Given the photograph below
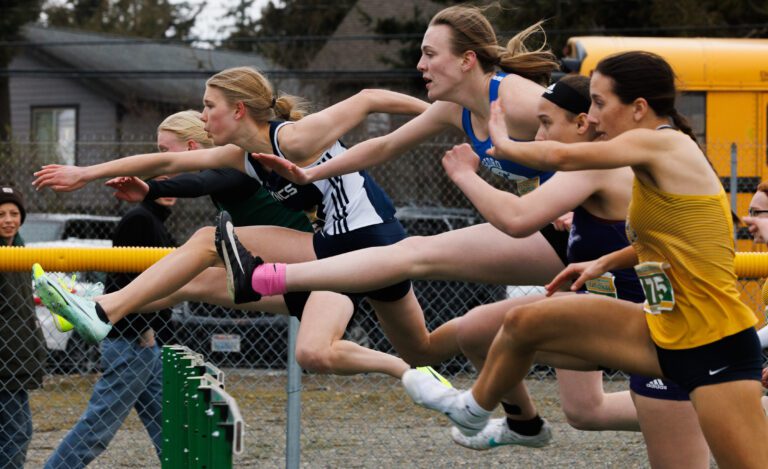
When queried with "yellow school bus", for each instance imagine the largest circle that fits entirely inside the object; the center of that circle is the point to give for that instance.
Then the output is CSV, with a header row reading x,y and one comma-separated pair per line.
x,y
724,93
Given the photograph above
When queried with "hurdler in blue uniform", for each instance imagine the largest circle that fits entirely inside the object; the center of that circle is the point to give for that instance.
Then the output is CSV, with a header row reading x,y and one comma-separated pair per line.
x,y
526,179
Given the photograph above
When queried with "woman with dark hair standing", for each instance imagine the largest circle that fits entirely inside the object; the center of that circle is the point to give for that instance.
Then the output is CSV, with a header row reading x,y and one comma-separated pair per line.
x,y
693,328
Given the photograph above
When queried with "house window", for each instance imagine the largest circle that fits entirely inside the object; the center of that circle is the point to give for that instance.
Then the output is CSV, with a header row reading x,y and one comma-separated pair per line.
x,y
693,105
54,129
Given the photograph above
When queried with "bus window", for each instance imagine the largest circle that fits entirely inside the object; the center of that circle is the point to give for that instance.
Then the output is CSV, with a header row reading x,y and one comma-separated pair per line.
x,y
693,105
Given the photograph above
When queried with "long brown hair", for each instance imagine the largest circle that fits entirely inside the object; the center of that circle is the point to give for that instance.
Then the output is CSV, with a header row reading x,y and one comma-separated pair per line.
x,y
471,30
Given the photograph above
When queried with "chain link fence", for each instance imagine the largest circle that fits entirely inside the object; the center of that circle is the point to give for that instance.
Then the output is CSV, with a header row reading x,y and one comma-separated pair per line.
x,y
355,421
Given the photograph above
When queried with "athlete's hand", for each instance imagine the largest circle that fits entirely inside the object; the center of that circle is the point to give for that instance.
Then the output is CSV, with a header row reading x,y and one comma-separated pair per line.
x,y
564,222
460,159
497,127
129,188
581,271
60,178
284,168
758,228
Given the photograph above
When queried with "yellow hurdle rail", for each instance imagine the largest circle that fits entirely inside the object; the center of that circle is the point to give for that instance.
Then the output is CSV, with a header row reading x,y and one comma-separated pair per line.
x,y
134,259
116,259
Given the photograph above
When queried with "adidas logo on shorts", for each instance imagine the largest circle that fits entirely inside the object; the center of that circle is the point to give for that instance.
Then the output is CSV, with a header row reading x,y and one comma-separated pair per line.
x,y
656,384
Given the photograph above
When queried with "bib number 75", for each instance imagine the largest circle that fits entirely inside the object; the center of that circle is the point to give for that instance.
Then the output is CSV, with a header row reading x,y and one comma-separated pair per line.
x,y
659,295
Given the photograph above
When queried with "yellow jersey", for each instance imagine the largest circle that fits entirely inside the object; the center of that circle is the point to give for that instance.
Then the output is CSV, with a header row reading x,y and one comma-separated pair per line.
x,y
692,236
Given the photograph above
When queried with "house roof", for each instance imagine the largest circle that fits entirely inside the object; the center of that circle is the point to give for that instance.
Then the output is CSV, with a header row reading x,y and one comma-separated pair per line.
x,y
367,55
134,67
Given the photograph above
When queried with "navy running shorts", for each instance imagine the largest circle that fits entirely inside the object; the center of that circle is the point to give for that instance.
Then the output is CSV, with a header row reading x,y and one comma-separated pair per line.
x,y
657,388
733,358
382,234
295,301
558,240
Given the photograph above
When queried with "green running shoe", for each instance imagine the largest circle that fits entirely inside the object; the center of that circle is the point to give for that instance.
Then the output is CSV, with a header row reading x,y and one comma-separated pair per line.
x,y
80,312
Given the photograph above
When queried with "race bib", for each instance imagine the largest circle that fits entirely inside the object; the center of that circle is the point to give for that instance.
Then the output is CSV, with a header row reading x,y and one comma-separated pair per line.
x,y
602,285
659,296
525,186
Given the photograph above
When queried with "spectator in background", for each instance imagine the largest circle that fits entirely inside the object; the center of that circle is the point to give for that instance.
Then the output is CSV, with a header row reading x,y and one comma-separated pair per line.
x,y
130,356
22,346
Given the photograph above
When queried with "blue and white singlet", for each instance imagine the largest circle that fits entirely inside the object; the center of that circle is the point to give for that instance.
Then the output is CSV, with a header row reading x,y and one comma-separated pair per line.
x,y
336,205
526,178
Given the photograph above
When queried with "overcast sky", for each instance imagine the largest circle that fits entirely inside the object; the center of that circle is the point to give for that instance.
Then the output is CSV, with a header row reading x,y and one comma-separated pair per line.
x,y
211,19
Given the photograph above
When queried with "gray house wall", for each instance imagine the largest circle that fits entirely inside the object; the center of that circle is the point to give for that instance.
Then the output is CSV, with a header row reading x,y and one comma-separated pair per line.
x,y
96,113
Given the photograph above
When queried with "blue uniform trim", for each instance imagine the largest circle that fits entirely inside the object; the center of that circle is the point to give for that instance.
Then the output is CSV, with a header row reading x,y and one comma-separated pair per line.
x,y
504,168
591,238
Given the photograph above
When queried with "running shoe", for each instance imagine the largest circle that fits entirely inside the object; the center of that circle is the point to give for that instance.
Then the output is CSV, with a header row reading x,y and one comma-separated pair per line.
x,y
61,324
90,290
428,389
238,261
80,312
497,433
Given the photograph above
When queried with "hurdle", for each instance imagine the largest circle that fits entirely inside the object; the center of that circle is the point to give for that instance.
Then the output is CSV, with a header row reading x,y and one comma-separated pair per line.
x,y
202,424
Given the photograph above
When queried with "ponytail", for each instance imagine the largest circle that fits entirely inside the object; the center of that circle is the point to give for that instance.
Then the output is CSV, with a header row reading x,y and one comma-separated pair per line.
x,y
536,65
290,108
681,123
247,85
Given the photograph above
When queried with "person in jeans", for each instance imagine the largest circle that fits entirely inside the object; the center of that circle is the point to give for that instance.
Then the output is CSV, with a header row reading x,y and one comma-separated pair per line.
x,y
130,356
22,346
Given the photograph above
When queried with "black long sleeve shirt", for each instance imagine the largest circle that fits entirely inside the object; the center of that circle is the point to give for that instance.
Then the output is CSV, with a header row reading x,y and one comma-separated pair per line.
x,y
143,226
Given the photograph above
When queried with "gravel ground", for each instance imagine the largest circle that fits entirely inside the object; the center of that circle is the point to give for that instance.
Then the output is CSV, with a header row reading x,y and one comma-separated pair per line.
x,y
361,421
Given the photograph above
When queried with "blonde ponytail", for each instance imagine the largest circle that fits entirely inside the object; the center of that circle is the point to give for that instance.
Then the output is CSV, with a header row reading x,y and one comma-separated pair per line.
x,y
248,86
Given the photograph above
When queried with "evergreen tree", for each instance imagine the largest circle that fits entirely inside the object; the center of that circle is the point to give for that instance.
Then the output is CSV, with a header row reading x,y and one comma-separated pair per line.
x,y
153,19
281,26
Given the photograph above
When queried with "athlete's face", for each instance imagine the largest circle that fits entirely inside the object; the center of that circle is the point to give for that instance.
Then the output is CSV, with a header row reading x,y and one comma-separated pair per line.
x,y
758,207
608,114
439,66
169,141
219,116
555,124
10,221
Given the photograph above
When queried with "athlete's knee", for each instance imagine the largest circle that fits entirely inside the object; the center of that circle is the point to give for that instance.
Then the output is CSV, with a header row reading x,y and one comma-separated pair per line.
x,y
520,324
202,242
203,236
582,415
415,249
314,359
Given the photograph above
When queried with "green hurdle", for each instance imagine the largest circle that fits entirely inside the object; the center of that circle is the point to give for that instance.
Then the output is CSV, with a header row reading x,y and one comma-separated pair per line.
x,y
202,425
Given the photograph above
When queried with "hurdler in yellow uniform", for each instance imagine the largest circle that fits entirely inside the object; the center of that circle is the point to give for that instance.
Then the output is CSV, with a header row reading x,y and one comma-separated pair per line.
x,y
693,236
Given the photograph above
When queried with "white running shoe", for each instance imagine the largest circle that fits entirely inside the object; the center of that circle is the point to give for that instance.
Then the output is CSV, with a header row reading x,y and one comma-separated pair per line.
x,y
428,391
79,311
497,433
428,388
